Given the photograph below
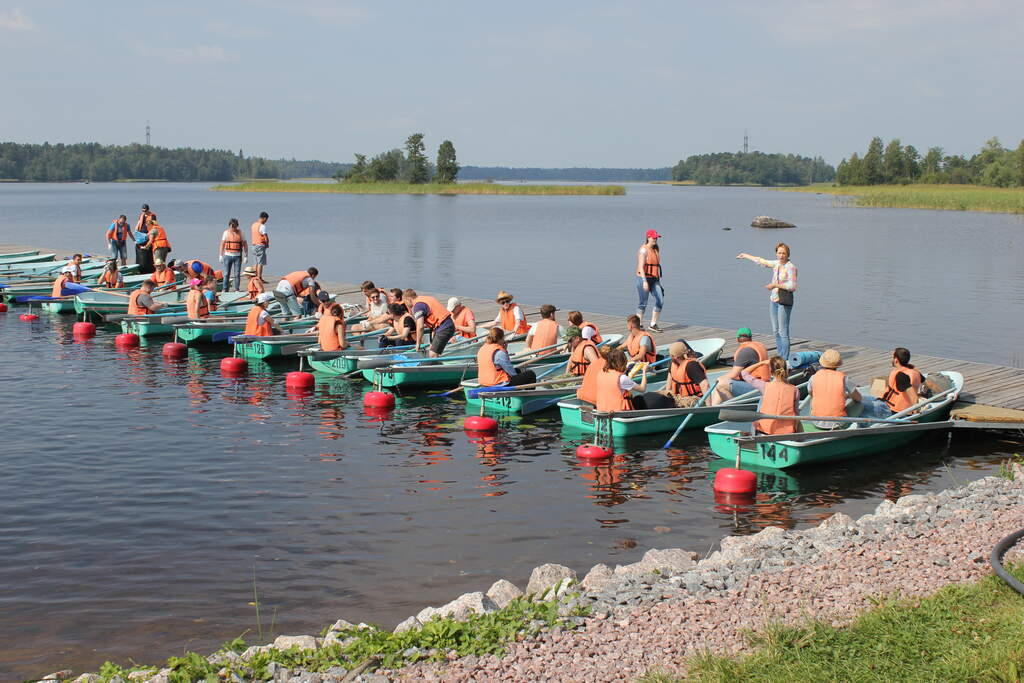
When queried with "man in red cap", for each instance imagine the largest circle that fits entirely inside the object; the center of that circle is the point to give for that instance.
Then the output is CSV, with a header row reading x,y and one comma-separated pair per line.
x,y
648,278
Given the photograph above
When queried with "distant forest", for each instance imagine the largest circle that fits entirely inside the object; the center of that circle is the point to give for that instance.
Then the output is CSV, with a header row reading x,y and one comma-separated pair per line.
x,y
896,163
753,168
578,174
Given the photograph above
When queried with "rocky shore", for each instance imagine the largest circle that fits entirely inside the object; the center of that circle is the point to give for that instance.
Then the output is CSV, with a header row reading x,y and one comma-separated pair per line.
x,y
652,614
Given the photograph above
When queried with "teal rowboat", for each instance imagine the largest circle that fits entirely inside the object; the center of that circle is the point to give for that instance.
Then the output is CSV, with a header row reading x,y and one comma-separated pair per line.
x,y
816,446
12,259
17,254
282,345
163,323
351,360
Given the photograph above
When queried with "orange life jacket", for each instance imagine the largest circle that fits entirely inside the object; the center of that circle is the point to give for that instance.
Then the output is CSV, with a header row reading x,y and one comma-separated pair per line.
x,y
252,323
134,307
633,346
898,400
761,372
828,397
463,319
111,279
578,362
652,263
196,305
679,382
255,287
588,389
118,232
327,332
596,338
609,396
295,279
257,237
545,334
233,242
159,236
168,277
778,399
438,313
207,269
508,320
489,373
59,283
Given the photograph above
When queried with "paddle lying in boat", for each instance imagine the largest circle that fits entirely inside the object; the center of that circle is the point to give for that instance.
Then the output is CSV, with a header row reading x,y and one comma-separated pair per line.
x,y
862,437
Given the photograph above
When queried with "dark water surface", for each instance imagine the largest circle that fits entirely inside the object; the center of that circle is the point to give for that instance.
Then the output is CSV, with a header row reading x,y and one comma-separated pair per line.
x,y
141,496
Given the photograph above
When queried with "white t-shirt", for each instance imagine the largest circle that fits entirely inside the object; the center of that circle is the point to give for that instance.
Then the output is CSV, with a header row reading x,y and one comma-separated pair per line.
x,y
517,312
262,318
285,287
588,332
626,384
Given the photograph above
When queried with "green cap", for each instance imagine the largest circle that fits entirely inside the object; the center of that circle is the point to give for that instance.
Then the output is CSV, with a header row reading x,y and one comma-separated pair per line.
x,y
744,332
572,332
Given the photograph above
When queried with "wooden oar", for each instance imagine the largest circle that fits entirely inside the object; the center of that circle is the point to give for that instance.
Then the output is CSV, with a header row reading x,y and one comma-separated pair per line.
x,y
748,413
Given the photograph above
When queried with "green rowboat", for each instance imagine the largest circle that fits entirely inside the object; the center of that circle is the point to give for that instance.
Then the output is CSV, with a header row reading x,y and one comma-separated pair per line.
x,y
351,360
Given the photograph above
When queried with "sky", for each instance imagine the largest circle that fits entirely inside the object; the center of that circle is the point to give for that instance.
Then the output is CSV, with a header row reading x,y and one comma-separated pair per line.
x,y
550,84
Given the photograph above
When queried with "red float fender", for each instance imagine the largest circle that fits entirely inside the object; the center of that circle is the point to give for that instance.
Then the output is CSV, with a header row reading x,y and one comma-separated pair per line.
x,y
732,480
127,340
379,399
590,451
479,423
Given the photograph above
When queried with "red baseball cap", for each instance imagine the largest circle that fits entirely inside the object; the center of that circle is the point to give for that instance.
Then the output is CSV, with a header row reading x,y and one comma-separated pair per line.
x,y
652,233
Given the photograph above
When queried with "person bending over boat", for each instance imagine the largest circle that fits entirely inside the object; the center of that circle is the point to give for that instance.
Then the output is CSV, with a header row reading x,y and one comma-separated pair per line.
x,y
748,353
648,278
615,388
196,268
402,331
157,239
510,316
462,317
829,388
330,329
639,343
778,397
687,377
902,387
259,322
197,306
430,315
587,329
118,235
64,277
163,275
293,285
256,285
544,333
140,302
111,277
781,288
495,366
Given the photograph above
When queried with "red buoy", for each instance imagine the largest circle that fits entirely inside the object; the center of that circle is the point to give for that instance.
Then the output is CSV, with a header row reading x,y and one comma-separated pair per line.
x,y
28,317
591,451
233,366
299,380
3,307
127,340
174,350
379,399
480,423
732,480
83,329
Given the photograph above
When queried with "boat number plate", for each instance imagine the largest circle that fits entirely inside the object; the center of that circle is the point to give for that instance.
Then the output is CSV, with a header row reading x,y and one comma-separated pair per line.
x,y
257,347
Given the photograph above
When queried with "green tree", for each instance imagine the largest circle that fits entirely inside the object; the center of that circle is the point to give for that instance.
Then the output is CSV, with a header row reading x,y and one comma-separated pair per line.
x,y
447,165
873,169
386,166
892,162
418,172
356,174
1020,163
911,162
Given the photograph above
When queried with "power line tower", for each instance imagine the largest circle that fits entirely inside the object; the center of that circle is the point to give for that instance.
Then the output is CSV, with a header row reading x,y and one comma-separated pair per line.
x,y
745,146
147,134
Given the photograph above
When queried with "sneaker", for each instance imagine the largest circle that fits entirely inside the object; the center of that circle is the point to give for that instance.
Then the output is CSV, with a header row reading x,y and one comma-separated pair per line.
x,y
654,328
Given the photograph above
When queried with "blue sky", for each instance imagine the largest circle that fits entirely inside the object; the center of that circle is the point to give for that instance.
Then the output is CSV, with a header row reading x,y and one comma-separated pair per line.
x,y
516,84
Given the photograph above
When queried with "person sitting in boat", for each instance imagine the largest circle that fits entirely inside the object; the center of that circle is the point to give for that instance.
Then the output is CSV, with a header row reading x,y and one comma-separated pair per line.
x,y
586,361
395,296
197,306
402,331
210,292
748,353
587,329
259,322
292,286
462,317
545,333
140,302
510,316
639,343
111,277
829,388
615,389
256,285
687,377
64,277
377,316
778,397
74,266
330,329
902,387
163,275
430,316
495,365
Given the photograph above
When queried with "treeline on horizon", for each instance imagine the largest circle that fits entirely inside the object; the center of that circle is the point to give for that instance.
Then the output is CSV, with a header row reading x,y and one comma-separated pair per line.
x,y
574,173
895,163
752,168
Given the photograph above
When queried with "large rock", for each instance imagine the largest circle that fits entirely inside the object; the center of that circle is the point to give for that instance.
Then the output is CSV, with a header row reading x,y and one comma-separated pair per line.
x,y
342,625
836,522
460,608
410,623
596,578
503,592
666,562
302,642
546,577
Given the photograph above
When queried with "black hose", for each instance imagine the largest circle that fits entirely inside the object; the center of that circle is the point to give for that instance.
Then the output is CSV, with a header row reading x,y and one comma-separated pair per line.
x,y
996,560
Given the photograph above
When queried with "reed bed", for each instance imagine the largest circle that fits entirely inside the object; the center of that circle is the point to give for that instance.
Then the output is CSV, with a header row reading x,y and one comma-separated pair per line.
x,y
427,188
941,197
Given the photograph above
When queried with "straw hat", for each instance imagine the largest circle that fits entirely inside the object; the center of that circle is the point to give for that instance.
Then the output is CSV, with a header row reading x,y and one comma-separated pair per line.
x,y
678,349
249,271
453,303
830,359
503,296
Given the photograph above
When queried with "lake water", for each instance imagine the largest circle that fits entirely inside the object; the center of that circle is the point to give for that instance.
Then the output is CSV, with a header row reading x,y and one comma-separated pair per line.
x,y
141,496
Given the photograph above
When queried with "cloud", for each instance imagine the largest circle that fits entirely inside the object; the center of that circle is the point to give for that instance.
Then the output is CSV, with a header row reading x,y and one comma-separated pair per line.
x,y
16,20
230,30
186,55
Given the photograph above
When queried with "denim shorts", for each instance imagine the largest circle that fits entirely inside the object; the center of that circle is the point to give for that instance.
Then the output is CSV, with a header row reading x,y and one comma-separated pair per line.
x,y
259,254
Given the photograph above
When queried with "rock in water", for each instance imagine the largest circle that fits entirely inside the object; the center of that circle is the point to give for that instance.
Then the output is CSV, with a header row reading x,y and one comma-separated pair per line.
x,y
769,222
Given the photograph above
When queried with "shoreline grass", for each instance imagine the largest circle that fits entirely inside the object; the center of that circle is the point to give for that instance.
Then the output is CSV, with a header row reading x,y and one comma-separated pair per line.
x,y
426,188
921,196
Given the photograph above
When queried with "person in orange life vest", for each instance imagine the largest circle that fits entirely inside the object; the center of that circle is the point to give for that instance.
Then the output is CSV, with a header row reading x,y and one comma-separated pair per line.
x,y
429,314
291,287
196,304
74,266
163,275
233,248
545,333
64,277
260,242
648,278
111,277
118,235
829,388
495,366
639,344
615,388
330,329
586,361
686,374
462,317
256,286
140,302
510,316
902,387
259,323
157,240
748,352
778,396
402,330
587,329
143,255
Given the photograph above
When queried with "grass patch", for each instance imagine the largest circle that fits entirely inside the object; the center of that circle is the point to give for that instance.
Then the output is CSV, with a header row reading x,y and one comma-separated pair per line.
x,y
426,188
673,182
968,632
941,197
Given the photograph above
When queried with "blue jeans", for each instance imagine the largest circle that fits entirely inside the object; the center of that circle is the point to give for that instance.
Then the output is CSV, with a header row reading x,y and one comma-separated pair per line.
x,y
874,407
654,285
119,249
232,264
780,326
289,304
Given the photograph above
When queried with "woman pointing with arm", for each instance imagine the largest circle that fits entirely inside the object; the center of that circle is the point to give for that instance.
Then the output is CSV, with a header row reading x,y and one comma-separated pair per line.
x,y
781,289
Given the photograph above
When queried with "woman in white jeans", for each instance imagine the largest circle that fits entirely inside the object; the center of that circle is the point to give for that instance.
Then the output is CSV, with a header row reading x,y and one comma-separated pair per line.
x,y
781,290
